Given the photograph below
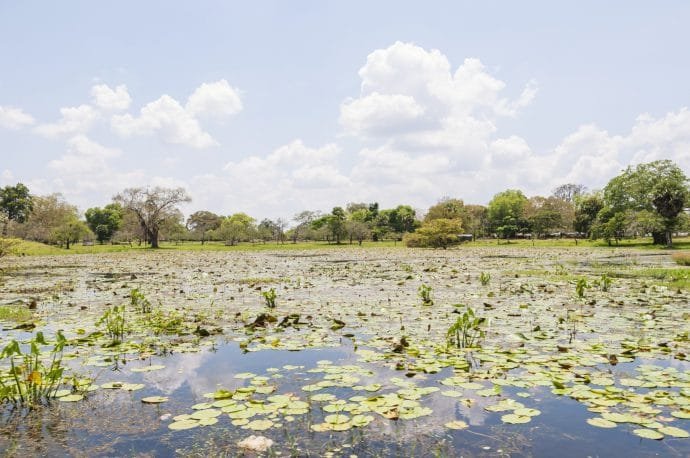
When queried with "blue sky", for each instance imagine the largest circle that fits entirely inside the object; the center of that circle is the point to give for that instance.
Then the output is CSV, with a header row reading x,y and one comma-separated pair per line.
x,y
276,107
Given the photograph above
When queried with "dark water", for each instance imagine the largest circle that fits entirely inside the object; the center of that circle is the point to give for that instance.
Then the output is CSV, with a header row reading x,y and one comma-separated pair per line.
x,y
116,423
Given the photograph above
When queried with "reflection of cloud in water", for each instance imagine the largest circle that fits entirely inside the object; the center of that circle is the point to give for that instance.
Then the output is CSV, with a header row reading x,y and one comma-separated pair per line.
x,y
180,369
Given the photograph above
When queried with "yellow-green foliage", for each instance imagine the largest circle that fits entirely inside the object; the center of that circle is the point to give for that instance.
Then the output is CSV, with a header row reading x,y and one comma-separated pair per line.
x,y
14,313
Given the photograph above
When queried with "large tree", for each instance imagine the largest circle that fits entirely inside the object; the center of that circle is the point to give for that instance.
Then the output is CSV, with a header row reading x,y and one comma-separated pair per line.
x,y
152,207
15,205
201,222
236,228
660,187
104,222
70,231
506,212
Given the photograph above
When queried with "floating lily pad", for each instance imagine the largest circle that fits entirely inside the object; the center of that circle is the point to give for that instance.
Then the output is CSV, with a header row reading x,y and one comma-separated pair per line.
x,y
648,434
601,423
456,424
183,424
154,399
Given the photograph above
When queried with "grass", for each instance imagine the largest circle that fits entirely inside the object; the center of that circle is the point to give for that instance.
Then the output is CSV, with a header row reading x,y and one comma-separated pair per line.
x,y
27,248
670,277
16,313
682,258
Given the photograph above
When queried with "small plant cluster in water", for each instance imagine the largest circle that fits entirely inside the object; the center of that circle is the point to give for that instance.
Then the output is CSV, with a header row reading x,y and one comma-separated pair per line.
x,y
467,330
31,381
270,298
424,292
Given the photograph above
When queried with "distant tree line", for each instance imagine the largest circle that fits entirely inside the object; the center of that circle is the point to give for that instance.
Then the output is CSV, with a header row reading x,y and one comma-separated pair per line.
x,y
648,199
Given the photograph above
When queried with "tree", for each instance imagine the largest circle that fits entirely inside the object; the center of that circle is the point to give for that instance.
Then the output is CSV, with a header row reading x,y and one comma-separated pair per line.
x,y
152,207
70,231
201,222
15,205
569,192
47,213
587,207
303,220
543,214
437,233
446,208
506,212
659,186
104,222
236,228
475,220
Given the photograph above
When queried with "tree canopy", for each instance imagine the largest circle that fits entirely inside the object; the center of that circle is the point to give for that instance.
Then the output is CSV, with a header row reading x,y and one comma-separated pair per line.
x,y
152,207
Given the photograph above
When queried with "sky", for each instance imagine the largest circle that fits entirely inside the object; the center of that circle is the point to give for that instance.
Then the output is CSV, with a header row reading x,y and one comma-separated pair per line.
x,y
273,107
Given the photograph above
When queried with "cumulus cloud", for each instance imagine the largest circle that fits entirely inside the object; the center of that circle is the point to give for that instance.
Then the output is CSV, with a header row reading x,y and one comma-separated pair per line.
x,y
167,118
214,99
175,124
83,157
73,120
14,118
408,92
109,99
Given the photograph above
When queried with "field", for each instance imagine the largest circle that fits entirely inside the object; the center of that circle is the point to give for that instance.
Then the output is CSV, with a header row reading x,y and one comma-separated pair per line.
x,y
339,351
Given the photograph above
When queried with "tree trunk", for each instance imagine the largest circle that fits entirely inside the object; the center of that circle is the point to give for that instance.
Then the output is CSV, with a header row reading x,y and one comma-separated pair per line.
x,y
67,244
153,238
659,238
669,239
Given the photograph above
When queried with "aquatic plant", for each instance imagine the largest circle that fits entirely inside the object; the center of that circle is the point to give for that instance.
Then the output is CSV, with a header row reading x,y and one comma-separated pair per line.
x,y
114,321
580,287
270,298
139,301
604,282
467,330
32,381
424,292
484,278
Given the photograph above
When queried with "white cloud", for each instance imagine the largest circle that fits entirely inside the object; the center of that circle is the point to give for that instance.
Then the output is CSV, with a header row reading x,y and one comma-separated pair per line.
x,y
214,99
84,157
108,99
14,118
74,120
377,114
167,118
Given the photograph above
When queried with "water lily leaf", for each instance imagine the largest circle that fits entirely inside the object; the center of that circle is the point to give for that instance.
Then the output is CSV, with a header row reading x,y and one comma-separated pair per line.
x,y
207,413
259,425
208,421
71,398
184,424
511,418
361,420
154,399
240,421
323,397
525,411
601,423
674,432
456,424
648,434
681,414
336,419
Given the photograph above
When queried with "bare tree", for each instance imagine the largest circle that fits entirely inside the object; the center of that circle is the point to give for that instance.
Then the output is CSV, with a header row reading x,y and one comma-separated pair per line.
x,y
152,207
569,191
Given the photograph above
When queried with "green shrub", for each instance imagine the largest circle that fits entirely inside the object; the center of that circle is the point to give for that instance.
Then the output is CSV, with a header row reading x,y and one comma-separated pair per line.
x,y
424,292
270,298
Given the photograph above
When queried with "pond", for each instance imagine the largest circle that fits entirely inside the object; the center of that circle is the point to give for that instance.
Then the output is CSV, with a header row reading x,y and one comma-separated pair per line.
x,y
577,353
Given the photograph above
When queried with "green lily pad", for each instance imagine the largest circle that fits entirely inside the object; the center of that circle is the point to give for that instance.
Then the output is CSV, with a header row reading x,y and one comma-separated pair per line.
x,y
456,424
601,423
259,425
183,424
71,398
207,413
674,432
511,418
648,434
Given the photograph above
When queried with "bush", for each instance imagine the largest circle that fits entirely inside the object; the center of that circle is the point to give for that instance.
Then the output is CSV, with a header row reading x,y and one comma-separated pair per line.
x,y
682,258
413,240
